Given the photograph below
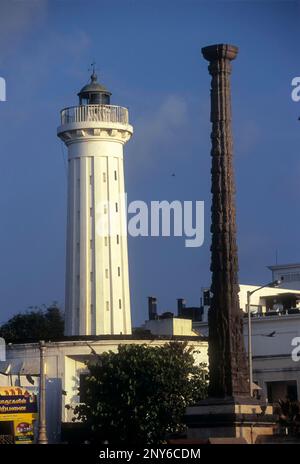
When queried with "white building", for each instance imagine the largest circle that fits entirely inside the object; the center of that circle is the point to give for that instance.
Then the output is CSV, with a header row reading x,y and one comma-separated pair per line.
x,y
275,324
66,369
288,273
267,300
97,282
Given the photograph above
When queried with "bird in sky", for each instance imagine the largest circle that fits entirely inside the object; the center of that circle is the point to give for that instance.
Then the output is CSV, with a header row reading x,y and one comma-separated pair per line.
x,y
271,334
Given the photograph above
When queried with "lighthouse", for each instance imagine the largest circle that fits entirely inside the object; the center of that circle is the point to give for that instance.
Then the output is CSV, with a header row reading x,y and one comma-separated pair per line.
x,y
97,281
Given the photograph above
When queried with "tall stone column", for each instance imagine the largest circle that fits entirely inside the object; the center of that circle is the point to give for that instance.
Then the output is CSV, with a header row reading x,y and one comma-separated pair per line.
x,y
229,414
227,357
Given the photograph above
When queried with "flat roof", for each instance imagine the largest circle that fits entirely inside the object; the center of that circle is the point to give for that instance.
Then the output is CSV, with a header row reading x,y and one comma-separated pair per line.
x,y
109,338
285,294
283,266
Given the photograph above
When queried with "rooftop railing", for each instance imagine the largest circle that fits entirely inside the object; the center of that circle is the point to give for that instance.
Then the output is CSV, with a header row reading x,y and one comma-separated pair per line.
x,y
94,113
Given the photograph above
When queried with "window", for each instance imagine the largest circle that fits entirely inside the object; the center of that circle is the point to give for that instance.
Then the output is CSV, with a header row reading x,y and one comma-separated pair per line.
x,y
105,241
116,175
91,180
106,273
92,308
119,271
117,207
120,303
83,385
91,211
118,239
91,276
292,393
277,390
206,298
107,306
104,177
91,244
105,209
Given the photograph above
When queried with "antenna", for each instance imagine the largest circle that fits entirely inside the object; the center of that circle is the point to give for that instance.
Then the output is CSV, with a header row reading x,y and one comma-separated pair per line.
x,y
92,67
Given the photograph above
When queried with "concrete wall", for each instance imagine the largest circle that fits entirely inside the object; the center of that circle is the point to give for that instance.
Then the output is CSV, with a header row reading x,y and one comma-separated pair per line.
x,y
65,361
170,326
290,274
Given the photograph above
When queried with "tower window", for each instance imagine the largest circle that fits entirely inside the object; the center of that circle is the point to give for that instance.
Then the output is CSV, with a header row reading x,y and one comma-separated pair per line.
x,y
91,180
117,207
91,276
92,308
116,175
104,177
107,306
118,239
119,271
91,211
105,209
106,273
120,303
105,241
91,243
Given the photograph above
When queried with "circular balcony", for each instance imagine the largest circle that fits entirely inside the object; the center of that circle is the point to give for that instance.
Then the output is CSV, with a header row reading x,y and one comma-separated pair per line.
x,y
94,113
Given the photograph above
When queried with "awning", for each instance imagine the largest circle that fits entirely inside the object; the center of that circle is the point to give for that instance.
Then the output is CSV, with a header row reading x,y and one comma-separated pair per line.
x,y
15,367
255,386
5,367
281,295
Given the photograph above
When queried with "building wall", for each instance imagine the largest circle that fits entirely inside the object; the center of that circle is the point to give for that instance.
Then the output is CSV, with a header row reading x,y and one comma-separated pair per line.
x,y
170,326
65,361
257,299
290,274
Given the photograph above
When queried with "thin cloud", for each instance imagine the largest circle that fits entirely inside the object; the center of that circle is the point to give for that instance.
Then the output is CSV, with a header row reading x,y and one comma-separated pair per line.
x,y
154,132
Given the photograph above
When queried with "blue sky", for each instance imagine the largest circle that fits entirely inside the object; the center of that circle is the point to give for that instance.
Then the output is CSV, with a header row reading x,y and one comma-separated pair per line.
x,y
148,55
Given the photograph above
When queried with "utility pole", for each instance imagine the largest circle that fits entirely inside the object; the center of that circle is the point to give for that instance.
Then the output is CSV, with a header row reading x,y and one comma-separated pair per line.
x,y
42,434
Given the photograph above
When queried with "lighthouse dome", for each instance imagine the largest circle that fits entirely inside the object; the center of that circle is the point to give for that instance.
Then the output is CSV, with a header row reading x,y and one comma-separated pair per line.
x,y
94,93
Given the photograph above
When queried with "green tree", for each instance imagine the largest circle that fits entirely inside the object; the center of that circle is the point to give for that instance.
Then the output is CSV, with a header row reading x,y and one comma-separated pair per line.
x,y
34,325
138,395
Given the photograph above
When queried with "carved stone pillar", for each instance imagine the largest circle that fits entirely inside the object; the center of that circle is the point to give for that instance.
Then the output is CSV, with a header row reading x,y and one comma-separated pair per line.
x,y
228,415
227,358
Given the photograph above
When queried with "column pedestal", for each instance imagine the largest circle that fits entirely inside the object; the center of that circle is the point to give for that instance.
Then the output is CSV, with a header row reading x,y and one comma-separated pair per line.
x,y
230,419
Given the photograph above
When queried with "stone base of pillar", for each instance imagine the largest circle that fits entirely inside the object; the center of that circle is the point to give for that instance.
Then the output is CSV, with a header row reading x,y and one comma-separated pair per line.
x,y
232,418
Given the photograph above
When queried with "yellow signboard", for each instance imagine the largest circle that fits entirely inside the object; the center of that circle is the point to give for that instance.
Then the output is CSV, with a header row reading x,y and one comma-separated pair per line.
x,y
23,429
19,405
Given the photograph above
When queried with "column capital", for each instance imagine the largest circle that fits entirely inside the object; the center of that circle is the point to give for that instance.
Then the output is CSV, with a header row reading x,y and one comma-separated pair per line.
x,y
219,52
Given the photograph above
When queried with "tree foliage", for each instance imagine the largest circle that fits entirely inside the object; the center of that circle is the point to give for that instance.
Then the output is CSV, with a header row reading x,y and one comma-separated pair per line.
x,y
138,395
34,325
288,413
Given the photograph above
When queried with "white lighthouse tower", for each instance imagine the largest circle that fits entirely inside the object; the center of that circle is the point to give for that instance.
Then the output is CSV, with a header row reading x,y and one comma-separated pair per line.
x,y
97,282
